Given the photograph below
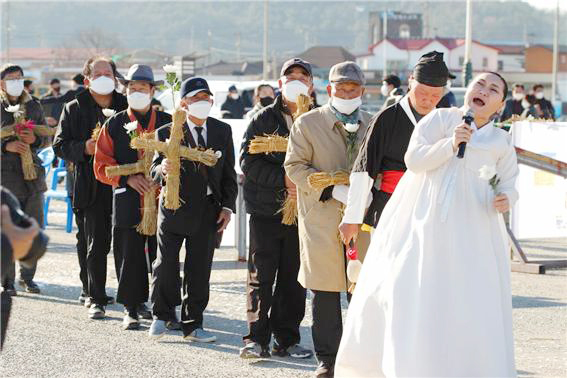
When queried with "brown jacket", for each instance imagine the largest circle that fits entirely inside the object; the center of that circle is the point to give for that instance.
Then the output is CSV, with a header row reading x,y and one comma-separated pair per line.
x,y
316,144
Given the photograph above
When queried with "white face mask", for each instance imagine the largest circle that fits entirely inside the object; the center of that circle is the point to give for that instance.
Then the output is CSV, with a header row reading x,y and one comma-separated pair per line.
x,y
448,85
14,87
102,85
138,100
234,96
525,104
384,90
539,95
518,96
346,106
292,89
199,109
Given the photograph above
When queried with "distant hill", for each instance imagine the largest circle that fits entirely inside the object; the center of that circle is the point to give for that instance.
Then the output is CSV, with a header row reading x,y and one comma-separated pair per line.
x,y
182,27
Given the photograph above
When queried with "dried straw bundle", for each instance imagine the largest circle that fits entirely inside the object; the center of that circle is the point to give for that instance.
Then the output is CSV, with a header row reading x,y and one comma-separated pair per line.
x,y
267,144
321,180
289,211
96,132
303,105
172,181
148,225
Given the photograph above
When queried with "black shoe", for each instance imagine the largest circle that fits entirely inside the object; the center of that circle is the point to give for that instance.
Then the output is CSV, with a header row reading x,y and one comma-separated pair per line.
x,y
325,369
144,312
294,351
10,290
130,319
109,300
96,311
173,325
30,286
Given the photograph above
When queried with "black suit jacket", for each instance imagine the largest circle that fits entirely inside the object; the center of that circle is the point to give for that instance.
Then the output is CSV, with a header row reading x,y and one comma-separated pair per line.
x,y
195,178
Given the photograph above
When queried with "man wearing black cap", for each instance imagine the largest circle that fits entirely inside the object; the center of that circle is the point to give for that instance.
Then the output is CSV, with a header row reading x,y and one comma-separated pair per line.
x,y
208,197
133,250
386,143
233,107
274,247
92,200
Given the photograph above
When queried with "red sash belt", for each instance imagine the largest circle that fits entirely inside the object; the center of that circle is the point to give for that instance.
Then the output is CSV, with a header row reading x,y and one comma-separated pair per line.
x,y
390,180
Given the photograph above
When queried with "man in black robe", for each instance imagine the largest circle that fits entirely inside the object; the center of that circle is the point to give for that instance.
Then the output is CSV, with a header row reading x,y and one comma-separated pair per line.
x,y
386,142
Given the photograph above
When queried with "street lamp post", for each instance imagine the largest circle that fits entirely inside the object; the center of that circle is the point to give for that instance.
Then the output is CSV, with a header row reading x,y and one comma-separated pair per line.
x,y
467,67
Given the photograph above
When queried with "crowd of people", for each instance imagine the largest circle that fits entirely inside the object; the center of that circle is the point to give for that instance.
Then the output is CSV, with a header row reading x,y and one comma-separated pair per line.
x,y
400,291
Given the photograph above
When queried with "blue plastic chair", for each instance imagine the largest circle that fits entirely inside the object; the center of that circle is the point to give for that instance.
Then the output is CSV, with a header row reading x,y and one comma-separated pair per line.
x,y
60,195
47,156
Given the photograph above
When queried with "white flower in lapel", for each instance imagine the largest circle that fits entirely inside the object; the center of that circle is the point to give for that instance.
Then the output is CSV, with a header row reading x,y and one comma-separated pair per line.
x,y
15,110
351,127
131,126
108,112
218,154
486,172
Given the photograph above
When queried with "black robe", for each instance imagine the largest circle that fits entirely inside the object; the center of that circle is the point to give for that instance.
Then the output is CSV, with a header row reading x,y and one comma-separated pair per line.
x,y
383,149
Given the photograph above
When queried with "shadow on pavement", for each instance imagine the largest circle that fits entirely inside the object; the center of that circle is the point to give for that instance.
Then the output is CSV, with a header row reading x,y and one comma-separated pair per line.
x,y
529,302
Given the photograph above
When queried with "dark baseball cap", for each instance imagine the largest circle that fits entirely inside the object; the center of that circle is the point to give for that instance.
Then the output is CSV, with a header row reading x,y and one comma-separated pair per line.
x,y
190,87
346,72
296,62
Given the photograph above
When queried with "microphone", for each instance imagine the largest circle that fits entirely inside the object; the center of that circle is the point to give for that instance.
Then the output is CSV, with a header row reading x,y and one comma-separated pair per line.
x,y
468,118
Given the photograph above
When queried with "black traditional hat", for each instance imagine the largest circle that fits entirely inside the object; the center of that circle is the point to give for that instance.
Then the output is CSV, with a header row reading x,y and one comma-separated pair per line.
x,y
431,70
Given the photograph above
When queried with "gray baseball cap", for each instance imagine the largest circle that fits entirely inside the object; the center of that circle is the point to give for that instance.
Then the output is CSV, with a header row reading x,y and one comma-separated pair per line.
x,y
346,71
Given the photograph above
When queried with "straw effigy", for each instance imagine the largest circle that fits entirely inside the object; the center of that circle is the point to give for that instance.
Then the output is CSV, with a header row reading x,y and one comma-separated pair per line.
x,y
322,180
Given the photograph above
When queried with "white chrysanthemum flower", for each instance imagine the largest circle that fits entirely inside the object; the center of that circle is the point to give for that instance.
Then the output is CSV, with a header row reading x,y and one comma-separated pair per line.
x,y
131,126
13,108
218,154
352,127
170,68
108,112
487,172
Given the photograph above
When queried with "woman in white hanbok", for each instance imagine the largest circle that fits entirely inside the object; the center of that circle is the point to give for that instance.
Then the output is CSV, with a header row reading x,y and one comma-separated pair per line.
x,y
433,298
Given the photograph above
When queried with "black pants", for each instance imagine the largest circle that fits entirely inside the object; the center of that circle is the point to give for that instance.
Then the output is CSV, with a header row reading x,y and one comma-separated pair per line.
x,y
81,250
96,227
133,278
327,327
274,258
199,250
5,307
32,206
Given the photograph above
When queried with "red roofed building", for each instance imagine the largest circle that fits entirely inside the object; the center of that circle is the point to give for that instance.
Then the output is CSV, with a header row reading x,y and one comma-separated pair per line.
x,y
401,55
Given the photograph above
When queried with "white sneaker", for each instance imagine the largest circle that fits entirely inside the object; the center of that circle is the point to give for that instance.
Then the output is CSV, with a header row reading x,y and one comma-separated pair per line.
x,y
201,336
96,311
157,329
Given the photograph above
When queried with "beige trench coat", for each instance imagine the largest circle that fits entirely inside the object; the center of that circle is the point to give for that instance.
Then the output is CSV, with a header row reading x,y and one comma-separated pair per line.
x,y
317,145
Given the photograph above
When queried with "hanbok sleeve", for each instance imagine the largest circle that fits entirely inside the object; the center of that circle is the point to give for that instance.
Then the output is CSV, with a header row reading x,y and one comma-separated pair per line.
x,y
365,170
507,170
431,143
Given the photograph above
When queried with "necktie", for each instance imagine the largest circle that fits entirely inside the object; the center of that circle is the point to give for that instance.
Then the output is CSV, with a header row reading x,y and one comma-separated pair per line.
x,y
200,139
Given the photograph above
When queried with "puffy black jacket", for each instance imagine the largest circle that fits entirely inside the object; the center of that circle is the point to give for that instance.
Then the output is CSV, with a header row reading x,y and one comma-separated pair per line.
x,y
264,184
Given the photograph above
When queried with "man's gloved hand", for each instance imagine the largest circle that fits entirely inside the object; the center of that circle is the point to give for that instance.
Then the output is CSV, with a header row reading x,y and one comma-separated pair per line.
x,y
327,194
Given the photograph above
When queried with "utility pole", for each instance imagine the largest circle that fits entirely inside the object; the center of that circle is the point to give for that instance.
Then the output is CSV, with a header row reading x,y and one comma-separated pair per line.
x,y
265,62
238,47
554,96
6,30
209,48
467,67
384,38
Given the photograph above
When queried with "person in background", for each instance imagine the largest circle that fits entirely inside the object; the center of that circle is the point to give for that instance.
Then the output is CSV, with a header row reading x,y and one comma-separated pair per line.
x,y
28,87
28,192
92,200
391,89
54,111
233,107
448,100
530,108
514,105
263,96
54,89
545,105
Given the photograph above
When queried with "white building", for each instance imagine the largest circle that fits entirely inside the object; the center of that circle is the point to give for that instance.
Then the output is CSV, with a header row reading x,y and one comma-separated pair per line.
x,y
402,54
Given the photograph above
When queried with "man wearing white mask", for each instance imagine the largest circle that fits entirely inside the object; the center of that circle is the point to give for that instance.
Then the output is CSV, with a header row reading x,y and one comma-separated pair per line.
x,y
274,247
113,148
92,200
514,105
391,89
326,139
546,107
208,199
28,192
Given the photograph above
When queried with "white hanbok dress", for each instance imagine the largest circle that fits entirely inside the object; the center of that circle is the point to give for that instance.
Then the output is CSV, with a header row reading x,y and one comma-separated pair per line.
x,y
433,298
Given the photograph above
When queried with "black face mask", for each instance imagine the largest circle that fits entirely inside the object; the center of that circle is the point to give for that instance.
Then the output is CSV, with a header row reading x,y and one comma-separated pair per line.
x,y
265,101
